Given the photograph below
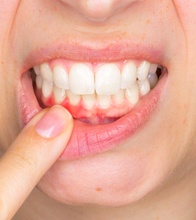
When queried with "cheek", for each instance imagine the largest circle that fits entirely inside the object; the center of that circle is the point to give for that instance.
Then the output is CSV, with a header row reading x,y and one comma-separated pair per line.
x,y
187,14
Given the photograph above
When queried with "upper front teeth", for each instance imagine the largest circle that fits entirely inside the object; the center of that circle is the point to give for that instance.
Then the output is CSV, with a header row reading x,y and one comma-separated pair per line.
x,y
108,80
100,84
81,79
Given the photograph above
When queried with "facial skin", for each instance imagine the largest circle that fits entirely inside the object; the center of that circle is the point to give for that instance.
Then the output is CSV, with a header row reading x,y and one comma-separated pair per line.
x,y
156,163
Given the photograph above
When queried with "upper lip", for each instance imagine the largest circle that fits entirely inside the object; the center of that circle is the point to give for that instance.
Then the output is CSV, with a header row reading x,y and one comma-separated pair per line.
x,y
116,50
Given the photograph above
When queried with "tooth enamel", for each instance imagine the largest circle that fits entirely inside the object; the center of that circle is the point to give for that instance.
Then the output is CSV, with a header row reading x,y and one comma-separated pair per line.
x,y
81,79
153,80
60,77
73,99
119,97
129,75
144,87
132,94
46,72
59,95
47,89
37,70
153,68
108,89
104,101
143,70
107,80
39,81
89,101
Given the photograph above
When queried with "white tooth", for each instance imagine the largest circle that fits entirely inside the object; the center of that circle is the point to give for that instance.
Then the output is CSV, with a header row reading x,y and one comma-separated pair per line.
x,y
47,89
60,77
46,72
143,70
89,101
153,80
153,68
39,81
144,87
59,95
132,94
108,80
37,70
104,101
81,79
129,75
119,97
73,99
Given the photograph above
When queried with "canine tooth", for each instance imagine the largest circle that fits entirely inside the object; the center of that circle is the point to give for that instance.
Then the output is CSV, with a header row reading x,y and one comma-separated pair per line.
x,y
89,101
153,80
153,68
39,81
81,79
143,70
47,88
73,99
108,79
60,77
59,95
46,72
144,87
119,97
37,70
132,94
104,101
129,75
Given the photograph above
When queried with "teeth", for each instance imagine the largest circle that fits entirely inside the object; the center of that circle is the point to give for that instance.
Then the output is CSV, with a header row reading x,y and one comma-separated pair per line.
x,y
104,101
37,70
107,81
59,95
144,87
60,77
129,75
81,79
73,99
153,80
102,87
143,70
132,94
153,68
46,72
47,88
39,81
119,97
89,101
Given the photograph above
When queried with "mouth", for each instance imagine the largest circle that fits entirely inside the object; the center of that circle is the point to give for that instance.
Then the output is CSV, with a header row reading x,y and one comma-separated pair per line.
x,y
109,101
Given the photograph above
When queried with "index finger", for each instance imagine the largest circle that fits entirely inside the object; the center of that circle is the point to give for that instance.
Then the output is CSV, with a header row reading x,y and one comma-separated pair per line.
x,y
34,151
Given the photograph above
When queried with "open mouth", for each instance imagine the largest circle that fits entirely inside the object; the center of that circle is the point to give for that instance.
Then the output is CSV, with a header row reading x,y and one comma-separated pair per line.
x,y
97,93
109,101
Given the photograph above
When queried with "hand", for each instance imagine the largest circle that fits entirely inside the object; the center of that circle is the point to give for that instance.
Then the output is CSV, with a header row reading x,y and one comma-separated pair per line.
x,y
33,152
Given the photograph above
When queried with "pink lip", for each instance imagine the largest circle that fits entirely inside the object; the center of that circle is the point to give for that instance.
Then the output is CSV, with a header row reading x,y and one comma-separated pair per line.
x,y
92,139
104,52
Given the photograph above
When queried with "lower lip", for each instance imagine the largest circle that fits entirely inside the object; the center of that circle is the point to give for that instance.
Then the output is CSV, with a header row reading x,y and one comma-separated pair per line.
x,y
89,139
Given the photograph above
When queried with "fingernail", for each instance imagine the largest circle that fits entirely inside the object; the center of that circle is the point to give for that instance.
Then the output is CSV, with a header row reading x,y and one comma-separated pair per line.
x,y
53,122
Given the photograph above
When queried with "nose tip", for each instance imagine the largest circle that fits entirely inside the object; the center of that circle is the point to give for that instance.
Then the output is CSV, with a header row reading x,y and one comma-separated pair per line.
x,y
98,9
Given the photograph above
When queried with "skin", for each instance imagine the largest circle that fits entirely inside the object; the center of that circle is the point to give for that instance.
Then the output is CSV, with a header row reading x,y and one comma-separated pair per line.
x,y
151,175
